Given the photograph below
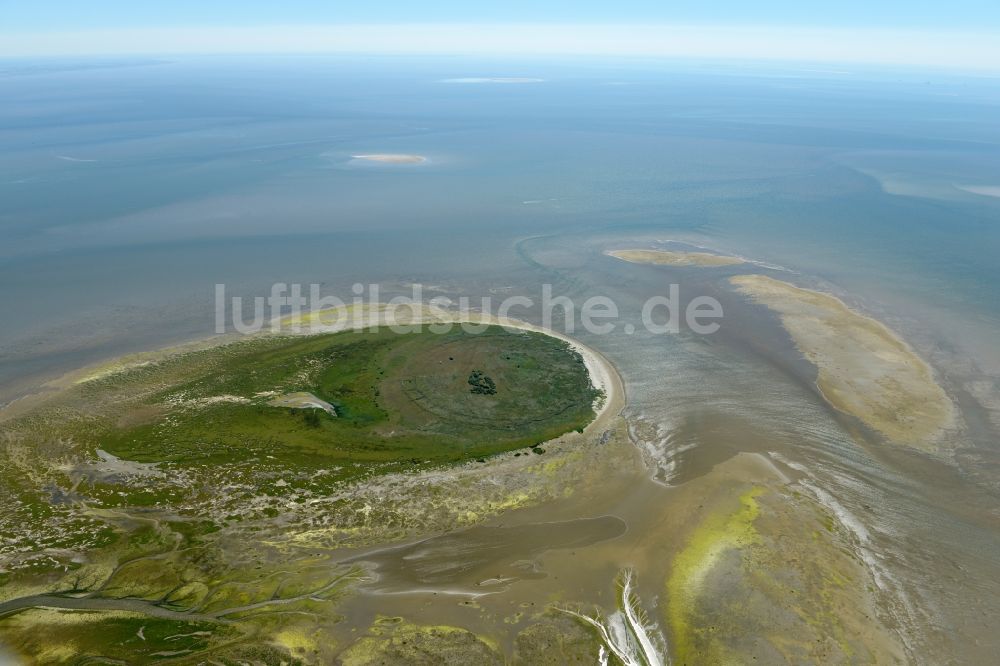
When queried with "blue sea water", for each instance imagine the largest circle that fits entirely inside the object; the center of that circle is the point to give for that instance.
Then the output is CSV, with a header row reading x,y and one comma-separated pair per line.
x,y
132,186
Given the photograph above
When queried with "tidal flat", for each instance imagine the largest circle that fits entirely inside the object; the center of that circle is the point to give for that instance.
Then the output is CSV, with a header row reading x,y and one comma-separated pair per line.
x,y
865,369
265,537
675,258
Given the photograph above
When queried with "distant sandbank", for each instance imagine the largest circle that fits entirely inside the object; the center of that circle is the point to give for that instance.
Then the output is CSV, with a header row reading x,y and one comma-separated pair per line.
x,y
494,79
670,258
391,158
981,190
864,368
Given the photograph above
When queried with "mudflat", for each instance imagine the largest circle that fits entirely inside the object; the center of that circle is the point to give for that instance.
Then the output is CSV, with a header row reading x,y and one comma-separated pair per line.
x,y
672,258
863,368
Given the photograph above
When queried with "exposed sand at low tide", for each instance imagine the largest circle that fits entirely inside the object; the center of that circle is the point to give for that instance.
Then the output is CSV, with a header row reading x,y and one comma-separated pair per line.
x,y
982,190
602,374
670,258
864,369
391,158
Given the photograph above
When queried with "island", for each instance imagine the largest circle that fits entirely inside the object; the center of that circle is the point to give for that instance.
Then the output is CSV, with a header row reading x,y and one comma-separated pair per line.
x,y
179,506
675,258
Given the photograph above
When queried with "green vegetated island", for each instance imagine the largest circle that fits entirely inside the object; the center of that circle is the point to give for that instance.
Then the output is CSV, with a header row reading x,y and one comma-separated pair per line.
x,y
114,488
359,397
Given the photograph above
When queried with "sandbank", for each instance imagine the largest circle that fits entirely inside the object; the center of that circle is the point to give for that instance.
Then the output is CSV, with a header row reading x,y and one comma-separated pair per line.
x,y
603,375
671,258
391,158
864,369
981,190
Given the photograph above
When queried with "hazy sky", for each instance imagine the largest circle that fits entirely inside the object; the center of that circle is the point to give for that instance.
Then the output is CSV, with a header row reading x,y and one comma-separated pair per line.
x,y
964,33
72,14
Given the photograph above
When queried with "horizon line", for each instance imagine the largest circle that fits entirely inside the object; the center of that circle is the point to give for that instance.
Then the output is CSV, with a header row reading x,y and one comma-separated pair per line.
x,y
877,46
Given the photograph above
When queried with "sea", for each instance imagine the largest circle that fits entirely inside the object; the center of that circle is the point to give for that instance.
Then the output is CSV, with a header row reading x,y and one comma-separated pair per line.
x,y
131,188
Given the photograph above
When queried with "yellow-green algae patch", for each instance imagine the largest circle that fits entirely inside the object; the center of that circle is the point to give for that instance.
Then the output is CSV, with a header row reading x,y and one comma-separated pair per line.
x,y
719,533
297,641
56,636
768,582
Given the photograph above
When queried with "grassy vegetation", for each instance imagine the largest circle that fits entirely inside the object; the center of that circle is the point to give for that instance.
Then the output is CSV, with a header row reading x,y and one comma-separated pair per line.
x,y
397,397
193,424
132,485
104,638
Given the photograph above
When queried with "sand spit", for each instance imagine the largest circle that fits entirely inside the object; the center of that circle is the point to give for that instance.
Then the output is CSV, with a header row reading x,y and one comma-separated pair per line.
x,y
391,158
755,544
981,190
670,258
864,369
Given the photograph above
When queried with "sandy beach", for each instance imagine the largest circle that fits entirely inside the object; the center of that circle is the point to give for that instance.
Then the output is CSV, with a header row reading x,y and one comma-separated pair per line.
x,y
671,258
864,369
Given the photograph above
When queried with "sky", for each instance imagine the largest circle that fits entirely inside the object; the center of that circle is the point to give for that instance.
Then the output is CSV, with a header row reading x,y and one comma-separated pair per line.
x,y
960,33
37,15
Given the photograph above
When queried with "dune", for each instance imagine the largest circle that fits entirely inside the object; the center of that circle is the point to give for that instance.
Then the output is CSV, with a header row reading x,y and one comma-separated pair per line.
x,y
864,369
670,258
